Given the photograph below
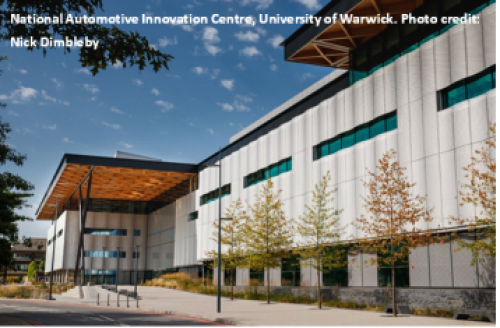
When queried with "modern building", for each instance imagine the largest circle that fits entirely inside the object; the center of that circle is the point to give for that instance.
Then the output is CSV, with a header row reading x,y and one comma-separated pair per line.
x,y
23,255
427,91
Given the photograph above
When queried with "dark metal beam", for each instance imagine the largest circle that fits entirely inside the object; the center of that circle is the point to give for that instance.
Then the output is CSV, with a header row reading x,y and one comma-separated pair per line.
x,y
83,216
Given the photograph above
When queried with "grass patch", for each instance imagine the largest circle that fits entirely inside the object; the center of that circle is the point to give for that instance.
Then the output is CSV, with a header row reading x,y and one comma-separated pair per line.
x,y
434,313
38,291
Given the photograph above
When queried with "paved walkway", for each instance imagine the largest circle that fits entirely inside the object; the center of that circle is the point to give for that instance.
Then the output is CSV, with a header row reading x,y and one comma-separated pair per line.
x,y
258,313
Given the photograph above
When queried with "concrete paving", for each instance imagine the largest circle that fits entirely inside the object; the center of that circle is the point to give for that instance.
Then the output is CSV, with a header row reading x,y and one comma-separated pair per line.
x,y
258,313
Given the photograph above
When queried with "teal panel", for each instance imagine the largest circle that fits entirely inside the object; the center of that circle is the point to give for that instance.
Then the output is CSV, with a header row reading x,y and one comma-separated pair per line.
x,y
335,145
289,162
392,123
362,134
282,167
480,86
454,96
323,150
348,140
274,170
377,128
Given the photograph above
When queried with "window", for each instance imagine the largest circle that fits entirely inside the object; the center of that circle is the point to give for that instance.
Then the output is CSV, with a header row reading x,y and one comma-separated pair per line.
x,y
106,254
336,276
256,277
22,267
409,33
290,271
229,277
361,133
214,195
271,171
468,88
137,233
59,234
192,216
49,242
22,256
136,255
105,232
401,271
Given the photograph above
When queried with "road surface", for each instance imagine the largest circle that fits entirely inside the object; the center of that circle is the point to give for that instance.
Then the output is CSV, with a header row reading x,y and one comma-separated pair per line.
x,y
12,312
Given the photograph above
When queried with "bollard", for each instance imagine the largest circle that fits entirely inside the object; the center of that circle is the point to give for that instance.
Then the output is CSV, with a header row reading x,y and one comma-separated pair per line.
x,y
108,299
117,299
97,299
127,300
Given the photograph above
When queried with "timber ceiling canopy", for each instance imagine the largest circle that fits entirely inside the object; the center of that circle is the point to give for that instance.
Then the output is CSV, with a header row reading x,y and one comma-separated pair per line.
x,y
329,45
113,179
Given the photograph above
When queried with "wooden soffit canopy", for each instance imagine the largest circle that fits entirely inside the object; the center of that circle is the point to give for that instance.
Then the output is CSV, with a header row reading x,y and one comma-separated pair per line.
x,y
331,46
112,179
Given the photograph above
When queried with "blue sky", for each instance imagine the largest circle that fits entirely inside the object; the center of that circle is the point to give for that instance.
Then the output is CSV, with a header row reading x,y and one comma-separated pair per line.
x,y
223,78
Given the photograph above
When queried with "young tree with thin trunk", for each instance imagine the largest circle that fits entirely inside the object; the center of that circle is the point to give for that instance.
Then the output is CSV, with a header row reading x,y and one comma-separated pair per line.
x,y
480,191
267,233
32,269
231,237
394,213
321,231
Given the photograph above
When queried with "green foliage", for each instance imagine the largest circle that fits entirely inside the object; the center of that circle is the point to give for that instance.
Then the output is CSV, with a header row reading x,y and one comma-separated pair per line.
x,y
394,215
480,191
115,46
32,269
321,229
14,191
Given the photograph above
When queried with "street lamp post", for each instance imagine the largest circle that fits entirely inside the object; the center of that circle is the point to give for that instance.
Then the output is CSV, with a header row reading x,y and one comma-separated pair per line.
x,y
219,233
102,269
232,231
53,255
136,269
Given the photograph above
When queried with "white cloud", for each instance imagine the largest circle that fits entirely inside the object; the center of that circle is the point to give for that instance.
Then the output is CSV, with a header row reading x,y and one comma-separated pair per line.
x,y
310,4
206,71
250,51
83,71
20,95
276,40
117,111
274,67
47,97
117,65
261,4
67,140
23,71
58,83
307,76
261,31
187,28
248,36
240,66
211,34
111,125
241,107
92,88
63,64
126,145
137,82
228,84
12,113
210,131
50,127
165,105
212,49
163,42
246,99
155,91
226,107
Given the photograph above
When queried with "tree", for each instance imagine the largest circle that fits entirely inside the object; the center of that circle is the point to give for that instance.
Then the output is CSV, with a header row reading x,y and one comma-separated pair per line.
x,y
321,229
32,269
267,233
394,213
14,191
231,237
480,191
115,46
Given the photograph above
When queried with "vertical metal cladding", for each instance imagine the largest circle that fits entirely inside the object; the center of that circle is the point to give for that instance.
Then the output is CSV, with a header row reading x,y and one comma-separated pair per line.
x,y
474,48
443,62
457,53
489,35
